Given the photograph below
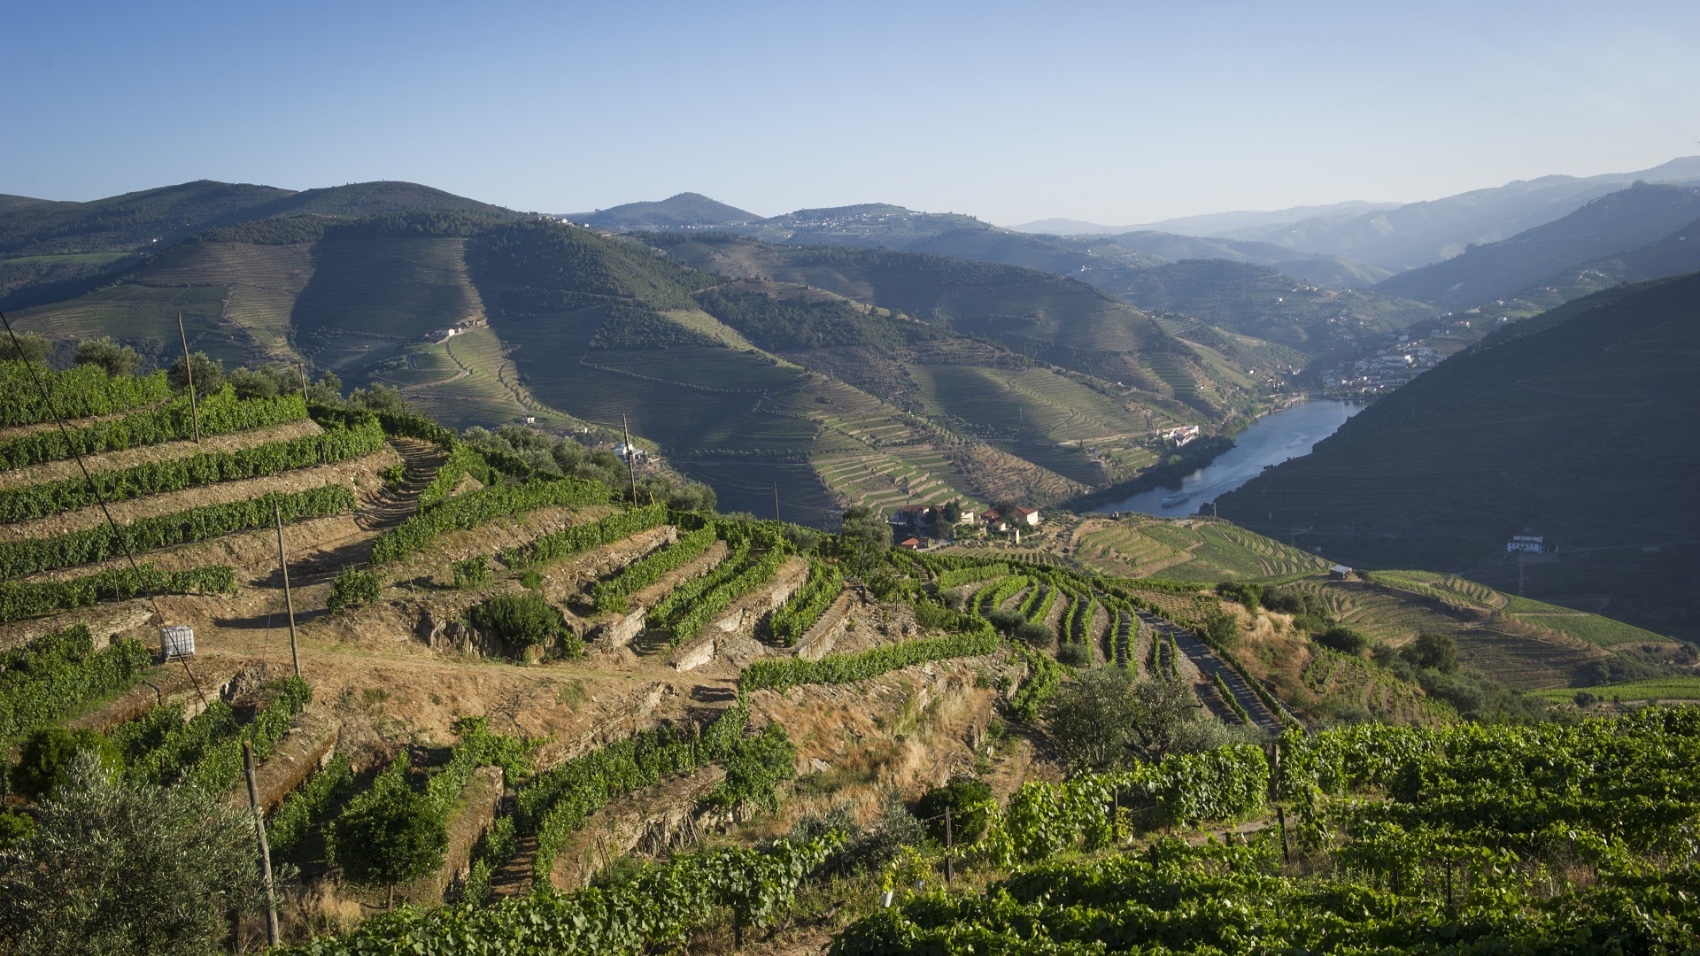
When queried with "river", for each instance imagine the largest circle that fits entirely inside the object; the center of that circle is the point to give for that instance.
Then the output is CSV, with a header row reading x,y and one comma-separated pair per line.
x,y
1272,439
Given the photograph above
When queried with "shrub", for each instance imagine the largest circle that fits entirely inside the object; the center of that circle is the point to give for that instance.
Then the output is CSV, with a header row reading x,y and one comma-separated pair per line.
x,y
472,573
1343,639
47,754
518,620
389,834
1035,634
1074,655
353,588
967,798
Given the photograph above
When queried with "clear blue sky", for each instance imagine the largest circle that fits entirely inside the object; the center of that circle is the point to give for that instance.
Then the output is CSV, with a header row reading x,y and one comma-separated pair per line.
x,y
1114,112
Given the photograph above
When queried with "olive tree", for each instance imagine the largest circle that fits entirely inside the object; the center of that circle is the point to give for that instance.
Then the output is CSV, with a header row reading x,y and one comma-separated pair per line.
x,y
121,867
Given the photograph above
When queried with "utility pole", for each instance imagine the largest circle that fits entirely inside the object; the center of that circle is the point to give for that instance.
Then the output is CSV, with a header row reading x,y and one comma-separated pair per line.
x,y
631,465
776,501
1520,556
260,834
189,370
302,369
288,597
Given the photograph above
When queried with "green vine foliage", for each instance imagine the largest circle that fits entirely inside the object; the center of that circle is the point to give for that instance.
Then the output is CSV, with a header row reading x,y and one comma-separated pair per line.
x,y
685,624
75,548
221,413
309,805
778,673
271,458
464,512
79,392
612,594
582,537
352,588
26,599
797,615
55,676
656,911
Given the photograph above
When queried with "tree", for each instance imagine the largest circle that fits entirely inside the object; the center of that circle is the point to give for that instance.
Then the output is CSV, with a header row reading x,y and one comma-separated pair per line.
x,y
29,348
1092,720
126,867
209,374
1035,634
48,754
379,398
1343,639
1222,629
864,538
254,383
116,359
1432,651
388,835
1161,709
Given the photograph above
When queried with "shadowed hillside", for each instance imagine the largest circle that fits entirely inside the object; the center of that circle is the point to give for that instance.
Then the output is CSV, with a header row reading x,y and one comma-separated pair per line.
x,y
1580,425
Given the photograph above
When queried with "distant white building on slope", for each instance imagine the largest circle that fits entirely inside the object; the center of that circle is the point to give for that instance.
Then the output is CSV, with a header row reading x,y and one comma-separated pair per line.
x,y
1526,543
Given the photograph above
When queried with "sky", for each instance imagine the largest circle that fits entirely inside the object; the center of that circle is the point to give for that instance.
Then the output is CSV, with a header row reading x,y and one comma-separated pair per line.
x,y
1115,113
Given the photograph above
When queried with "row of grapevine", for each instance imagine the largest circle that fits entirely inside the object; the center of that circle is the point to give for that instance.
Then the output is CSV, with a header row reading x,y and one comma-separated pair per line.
x,y
679,600
221,413
1043,820
992,597
655,911
75,548
55,676
308,805
968,575
463,460
582,537
694,618
208,468
1228,698
161,747
26,599
797,615
79,392
555,804
612,594
778,673
478,507
1043,680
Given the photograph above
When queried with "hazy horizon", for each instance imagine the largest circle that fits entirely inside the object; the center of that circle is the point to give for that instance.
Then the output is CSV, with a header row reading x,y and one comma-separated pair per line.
x,y
1103,113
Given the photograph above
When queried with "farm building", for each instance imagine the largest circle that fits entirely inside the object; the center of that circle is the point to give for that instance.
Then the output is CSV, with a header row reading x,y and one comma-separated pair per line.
x,y
1526,543
1339,572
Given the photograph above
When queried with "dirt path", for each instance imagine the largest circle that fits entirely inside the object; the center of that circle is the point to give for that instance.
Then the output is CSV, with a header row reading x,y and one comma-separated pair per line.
x,y
1208,666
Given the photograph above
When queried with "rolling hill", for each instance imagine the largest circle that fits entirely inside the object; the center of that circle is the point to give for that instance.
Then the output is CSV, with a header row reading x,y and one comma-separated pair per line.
x,y
1603,228
1579,425
684,211
843,376
1420,233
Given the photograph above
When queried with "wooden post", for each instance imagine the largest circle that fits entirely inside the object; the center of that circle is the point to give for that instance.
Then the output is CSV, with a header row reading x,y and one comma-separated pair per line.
x,y
949,843
302,369
631,459
776,501
189,370
288,597
260,834
1115,816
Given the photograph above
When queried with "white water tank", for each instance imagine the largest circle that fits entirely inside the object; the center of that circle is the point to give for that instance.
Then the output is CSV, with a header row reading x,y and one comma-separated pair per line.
x,y
177,641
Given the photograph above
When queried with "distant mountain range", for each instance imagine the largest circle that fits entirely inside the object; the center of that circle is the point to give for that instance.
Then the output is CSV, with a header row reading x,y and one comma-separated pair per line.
x,y
1581,425
1209,224
1534,263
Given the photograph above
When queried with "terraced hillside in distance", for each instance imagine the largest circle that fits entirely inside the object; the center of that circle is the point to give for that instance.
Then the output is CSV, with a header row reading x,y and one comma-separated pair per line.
x,y
953,380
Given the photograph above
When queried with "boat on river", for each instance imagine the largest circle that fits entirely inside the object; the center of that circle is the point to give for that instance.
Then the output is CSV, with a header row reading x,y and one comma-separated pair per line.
x,y
1173,500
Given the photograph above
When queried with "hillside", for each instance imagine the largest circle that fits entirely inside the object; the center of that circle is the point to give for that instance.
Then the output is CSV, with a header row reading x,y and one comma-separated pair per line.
x,y
1262,302
547,686
1420,233
684,211
1602,229
1581,427
1671,255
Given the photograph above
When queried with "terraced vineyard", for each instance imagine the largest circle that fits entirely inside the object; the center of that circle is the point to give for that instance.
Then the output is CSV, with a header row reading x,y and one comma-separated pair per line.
x,y
1192,550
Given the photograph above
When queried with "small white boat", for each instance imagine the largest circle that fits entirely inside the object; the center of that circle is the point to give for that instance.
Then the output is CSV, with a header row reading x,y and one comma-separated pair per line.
x,y
1173,500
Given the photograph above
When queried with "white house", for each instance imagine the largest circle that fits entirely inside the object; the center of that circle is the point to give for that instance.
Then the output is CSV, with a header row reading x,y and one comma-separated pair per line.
x,y
1526,543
